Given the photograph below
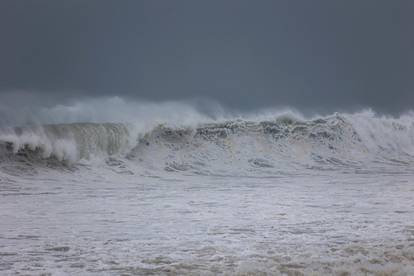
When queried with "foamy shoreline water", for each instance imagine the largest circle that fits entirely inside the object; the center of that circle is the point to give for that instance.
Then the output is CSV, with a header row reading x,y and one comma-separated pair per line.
x,y
101,222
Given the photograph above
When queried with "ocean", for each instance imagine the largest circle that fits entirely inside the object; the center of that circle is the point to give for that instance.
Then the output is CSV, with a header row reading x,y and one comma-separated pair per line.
x,y
280,195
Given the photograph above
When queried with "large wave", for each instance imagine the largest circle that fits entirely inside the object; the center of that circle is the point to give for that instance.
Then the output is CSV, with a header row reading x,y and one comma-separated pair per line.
x,y
278,144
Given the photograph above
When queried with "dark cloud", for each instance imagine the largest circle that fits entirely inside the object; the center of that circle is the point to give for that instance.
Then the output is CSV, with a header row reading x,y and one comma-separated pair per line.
x,y
322,55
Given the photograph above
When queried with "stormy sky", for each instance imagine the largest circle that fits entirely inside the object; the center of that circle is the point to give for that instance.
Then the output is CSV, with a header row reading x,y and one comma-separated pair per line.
x,y
321,55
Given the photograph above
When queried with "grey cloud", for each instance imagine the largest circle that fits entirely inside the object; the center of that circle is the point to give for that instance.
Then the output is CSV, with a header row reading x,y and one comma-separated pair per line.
x,y
313,55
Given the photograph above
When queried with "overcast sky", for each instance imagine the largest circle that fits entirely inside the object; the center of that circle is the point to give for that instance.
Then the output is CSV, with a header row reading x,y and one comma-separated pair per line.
x,y
322,55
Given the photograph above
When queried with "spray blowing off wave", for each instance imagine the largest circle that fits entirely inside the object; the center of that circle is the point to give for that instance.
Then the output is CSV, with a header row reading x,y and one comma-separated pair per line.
x,y
281,144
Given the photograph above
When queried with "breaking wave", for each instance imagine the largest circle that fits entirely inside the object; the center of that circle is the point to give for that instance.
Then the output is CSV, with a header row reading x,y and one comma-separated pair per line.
x,y
284,143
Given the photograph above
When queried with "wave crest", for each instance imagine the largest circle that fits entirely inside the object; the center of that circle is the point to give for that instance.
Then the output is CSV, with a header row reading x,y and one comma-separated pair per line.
x,y
66,142
282,144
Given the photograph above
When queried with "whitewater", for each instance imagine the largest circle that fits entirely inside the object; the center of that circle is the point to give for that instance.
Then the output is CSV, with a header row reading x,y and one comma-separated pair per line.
x,y
184,193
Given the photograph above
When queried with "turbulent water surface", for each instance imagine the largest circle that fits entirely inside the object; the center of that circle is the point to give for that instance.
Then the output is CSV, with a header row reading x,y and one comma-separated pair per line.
x,y
330,195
